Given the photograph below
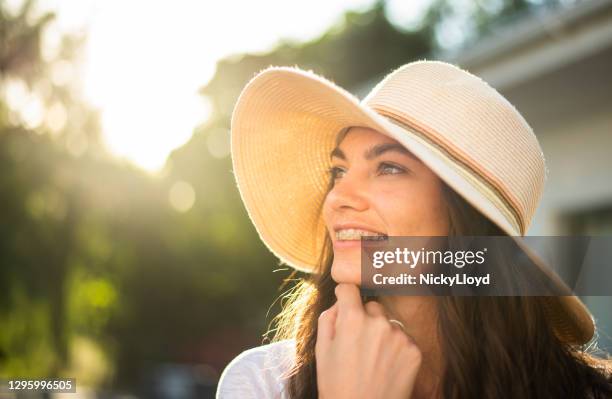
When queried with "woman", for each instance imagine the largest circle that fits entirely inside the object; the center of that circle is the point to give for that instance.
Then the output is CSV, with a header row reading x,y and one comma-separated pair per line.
x,y
431,151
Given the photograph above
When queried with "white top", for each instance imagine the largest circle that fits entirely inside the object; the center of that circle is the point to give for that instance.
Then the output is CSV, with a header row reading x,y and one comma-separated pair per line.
x,y
258,372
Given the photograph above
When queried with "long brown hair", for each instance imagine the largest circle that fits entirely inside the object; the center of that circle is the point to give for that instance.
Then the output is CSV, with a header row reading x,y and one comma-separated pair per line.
x,y
494,347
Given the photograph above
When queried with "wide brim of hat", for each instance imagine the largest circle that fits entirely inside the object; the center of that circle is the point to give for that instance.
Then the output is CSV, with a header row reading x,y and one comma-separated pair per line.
x,y
284,126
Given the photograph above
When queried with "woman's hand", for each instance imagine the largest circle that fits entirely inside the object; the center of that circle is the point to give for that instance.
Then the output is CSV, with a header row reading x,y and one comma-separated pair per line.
x,y
360,354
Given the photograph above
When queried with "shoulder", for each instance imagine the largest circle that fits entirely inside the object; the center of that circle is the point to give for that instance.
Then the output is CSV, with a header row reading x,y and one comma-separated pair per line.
x,y
258,372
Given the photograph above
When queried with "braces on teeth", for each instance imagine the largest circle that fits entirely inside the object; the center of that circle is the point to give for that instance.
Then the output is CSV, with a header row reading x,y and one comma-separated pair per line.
x,y
353,234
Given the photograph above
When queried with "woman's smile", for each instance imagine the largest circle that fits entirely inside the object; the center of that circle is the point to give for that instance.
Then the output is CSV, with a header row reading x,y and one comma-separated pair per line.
x,y
351,237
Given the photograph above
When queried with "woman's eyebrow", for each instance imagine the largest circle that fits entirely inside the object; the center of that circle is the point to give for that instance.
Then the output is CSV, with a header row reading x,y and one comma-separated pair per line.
x,y
376,151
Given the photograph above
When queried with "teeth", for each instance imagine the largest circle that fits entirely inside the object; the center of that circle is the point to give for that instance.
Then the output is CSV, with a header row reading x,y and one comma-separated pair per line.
x,y
356,234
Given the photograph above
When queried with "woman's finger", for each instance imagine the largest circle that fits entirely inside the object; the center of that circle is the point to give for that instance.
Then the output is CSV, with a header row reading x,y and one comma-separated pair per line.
x,y
349,302
375,309
326,328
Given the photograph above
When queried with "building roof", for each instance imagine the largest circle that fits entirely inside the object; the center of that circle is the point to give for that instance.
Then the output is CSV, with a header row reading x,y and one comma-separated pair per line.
x,y
544,40
527,46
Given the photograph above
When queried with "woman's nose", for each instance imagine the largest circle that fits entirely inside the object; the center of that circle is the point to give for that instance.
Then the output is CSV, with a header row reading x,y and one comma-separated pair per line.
x,y
347,194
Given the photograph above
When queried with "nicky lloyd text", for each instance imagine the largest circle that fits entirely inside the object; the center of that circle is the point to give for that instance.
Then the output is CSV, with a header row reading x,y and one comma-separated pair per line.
x,y
432,279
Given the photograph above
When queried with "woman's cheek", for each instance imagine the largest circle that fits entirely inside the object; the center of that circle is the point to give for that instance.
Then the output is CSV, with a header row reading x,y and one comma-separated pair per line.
x,y
418,221
405,217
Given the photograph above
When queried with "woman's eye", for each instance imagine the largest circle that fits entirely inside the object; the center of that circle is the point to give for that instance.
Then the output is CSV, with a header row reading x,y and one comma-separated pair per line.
x,y
334,172
389,169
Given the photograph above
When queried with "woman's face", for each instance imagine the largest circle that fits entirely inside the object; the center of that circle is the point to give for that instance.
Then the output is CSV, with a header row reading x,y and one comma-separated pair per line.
x,y
379,187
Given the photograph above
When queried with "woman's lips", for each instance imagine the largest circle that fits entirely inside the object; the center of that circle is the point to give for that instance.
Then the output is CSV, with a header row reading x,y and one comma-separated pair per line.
x,y
342,244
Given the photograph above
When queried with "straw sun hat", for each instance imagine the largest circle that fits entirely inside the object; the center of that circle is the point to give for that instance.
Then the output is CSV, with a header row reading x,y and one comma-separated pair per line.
x,y
285,124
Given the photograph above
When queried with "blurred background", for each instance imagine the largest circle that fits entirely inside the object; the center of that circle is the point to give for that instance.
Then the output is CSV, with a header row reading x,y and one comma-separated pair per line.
x,y
127,259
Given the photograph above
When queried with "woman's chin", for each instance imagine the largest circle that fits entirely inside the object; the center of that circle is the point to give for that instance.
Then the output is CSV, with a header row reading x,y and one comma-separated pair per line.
x,y
346,272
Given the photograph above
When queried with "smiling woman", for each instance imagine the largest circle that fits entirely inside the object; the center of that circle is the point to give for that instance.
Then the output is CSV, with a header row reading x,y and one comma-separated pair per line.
x,y
401,165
